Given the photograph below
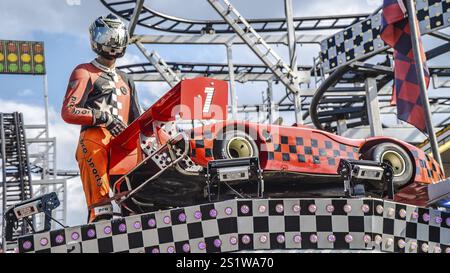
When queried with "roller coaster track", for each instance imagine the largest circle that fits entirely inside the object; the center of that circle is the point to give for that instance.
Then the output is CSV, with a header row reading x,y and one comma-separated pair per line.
x,y
156,20
341,96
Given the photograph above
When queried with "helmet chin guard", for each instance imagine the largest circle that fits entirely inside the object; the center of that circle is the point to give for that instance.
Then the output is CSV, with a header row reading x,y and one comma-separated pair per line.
x,y
109,37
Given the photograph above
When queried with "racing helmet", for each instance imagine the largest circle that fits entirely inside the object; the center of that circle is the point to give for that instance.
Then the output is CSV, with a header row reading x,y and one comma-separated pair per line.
x,y
109,36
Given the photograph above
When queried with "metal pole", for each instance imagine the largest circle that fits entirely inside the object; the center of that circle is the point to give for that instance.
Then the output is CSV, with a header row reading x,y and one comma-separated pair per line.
x,y
373,108
288,7
415,36
3,150
135,17
232,81
270,100
46,159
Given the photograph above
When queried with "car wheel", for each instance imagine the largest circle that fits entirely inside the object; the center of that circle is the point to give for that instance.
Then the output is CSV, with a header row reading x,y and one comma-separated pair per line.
x,y
397,158
236,144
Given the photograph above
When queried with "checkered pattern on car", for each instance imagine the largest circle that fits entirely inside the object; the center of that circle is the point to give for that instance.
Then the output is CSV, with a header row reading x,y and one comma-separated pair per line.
x,y
259,224
202,142
427,169
363,38
304,151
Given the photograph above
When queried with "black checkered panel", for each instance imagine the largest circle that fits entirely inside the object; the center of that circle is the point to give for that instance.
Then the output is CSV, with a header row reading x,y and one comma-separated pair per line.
x,y
363,38
240,225
356,42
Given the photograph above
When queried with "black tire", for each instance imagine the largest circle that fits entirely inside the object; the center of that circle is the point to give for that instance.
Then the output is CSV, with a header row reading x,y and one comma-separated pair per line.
x,y
384,151
223,150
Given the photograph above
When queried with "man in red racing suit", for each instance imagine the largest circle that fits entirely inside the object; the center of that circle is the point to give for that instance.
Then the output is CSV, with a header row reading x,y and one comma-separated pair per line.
x,y
103,101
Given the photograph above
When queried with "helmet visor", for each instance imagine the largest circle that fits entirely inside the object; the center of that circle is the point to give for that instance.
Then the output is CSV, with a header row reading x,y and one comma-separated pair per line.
x,y
110,37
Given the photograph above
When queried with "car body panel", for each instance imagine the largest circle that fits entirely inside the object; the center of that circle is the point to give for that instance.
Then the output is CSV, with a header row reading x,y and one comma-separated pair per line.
x,y
289,149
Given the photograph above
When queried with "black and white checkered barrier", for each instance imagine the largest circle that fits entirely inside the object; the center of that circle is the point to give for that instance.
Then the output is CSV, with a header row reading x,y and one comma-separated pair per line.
x,y
238,225
363,38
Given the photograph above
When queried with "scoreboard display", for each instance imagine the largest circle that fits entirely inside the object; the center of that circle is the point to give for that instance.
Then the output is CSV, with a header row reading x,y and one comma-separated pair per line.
x,y
22,57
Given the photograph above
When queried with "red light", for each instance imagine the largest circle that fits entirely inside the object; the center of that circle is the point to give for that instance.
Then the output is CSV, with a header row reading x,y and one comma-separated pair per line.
x,y
38,48
11,47
25,48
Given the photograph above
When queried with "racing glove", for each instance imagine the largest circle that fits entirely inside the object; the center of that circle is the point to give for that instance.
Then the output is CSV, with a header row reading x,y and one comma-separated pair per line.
x,y
114,125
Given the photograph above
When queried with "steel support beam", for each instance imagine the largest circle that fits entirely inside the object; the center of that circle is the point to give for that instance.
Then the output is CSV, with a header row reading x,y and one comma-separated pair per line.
x,y
373,108
256,43
270,101
234,102
223,39
164,70
292,45
135,17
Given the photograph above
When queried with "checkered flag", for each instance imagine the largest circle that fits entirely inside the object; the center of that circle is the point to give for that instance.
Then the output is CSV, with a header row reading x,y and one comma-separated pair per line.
x,y
406,95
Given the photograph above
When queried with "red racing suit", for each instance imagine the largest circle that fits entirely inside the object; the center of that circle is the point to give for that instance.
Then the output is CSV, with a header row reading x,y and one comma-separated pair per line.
x,y
94,86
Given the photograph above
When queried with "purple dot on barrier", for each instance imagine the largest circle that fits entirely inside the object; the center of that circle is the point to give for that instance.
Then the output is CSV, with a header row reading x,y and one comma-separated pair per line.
x,y
228,211
137,225
107,230
438,220
233,240
365,208
75,235
245,209
43,241
331,238
246,239
347,208
414,215
91,233
155,250
313,238
279,208
280,238
166,220
348,238
447,221
170,249
367,239
197,215
182,217
297,239
213,213
202,246
426,217
330,208
217,243
59,239
296,208
27,245
263,239
262,209
186,248
122,227
312,208
151,223
447,250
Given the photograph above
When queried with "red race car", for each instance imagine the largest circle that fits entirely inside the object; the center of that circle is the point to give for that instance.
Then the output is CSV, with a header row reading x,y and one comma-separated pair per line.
x,y
167,157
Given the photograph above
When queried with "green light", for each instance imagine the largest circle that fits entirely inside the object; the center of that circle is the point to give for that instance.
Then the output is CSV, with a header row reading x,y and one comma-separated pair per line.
x,y
2,68
26,68
39,68
13,67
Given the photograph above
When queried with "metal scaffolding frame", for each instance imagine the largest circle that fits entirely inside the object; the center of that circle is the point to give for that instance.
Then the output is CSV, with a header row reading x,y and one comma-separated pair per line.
x,y
346,104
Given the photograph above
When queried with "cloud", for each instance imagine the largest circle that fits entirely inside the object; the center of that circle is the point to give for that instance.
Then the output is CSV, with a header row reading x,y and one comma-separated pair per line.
x,y
130,58
25,17
25,92
66,141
